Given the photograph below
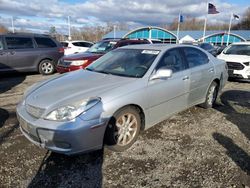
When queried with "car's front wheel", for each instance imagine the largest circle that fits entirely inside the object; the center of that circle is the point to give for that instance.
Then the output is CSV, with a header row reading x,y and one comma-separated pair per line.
x,y
123,129
211,96
46,67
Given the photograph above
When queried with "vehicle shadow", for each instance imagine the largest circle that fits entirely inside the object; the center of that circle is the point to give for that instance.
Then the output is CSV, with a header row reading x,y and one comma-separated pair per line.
x,y
58,170
6,131
235,104
4,115
237,154
9,80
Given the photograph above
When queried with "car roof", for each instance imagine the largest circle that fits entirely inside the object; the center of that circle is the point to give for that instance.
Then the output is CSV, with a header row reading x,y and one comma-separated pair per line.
x,y
160,47
24,35
123,40
77,41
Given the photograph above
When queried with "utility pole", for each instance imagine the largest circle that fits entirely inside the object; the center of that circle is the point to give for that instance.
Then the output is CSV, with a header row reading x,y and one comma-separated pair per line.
x,y
114,31
69,38
12,24
229,29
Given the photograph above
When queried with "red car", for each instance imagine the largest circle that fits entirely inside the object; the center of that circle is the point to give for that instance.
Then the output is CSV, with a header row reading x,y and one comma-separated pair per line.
x,y
82,60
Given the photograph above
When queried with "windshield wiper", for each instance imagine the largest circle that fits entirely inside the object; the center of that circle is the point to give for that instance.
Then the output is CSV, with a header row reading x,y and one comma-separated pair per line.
x,y
89,69
104,72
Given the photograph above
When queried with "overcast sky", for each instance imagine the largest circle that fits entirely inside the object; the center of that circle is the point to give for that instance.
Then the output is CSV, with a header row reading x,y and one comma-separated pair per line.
x,y
40,15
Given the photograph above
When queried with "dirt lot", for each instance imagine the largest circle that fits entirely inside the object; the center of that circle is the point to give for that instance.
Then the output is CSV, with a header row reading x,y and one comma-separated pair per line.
x,y
196,148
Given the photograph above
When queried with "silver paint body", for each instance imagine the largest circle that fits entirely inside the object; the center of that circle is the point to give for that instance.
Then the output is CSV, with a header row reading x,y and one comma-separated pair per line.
x,y
158,99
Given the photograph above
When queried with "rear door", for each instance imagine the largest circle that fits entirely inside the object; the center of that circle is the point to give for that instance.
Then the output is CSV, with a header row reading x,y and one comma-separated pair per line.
x,y
4,64
21,52
201,74
49,49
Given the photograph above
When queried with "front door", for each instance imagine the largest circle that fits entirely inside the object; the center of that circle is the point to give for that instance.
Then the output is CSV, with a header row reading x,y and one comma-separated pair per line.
x,y
168,96
21,52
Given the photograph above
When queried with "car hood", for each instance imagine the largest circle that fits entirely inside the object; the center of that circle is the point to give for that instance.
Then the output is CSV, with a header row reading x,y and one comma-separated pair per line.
x,y
84,55
234,58
73,87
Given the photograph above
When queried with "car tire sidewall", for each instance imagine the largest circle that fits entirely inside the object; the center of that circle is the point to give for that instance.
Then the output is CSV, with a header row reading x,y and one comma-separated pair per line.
x,y
109,139
43,62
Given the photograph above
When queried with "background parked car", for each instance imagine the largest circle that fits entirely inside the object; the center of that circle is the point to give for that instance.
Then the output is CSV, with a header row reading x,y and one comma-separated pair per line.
x,y
237,56
208,47
29,52
82,60
73,47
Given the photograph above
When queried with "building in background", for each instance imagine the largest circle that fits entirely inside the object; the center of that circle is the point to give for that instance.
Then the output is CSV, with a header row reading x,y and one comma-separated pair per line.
x,y
157,33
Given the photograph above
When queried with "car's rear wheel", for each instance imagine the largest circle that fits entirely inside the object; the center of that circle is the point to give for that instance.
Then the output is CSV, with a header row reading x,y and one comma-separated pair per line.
x,y
211,96
46,67
123,129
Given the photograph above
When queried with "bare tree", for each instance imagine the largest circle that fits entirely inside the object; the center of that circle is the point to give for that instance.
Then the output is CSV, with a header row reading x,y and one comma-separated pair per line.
x,y
245,21
3,29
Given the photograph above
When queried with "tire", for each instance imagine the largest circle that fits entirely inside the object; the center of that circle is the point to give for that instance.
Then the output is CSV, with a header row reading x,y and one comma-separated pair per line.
x,y
123,129
211,96
46,67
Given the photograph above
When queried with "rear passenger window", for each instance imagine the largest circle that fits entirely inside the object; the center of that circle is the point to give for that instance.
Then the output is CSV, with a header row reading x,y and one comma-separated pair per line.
x,y
43,42
195,57
82,44
64,44
19,42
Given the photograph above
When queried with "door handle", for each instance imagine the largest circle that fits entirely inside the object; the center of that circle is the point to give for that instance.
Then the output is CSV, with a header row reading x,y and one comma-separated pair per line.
x,y
211,70
185,78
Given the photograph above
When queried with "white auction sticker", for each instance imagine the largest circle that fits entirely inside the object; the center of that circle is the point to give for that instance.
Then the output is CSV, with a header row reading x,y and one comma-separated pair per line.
x,y
152,52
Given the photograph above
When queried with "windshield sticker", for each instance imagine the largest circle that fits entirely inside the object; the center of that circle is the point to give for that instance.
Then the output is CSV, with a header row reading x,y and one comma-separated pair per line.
x,y
152,52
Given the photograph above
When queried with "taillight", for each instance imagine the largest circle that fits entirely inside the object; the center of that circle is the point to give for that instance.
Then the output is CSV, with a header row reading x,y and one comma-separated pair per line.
x,y
61,50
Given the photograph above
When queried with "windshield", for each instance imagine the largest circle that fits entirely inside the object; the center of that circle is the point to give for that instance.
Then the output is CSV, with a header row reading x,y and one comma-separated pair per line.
x,y
238,50
125,62
102,47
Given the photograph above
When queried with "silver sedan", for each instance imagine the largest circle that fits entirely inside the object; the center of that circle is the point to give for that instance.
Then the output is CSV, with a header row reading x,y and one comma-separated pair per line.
x,y
119,95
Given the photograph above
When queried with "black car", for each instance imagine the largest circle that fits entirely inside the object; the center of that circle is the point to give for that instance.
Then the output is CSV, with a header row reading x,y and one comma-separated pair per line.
x,y
29,52
208,47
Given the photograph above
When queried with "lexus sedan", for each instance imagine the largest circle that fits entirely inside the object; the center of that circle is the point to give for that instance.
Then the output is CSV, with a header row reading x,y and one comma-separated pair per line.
x,y
121,94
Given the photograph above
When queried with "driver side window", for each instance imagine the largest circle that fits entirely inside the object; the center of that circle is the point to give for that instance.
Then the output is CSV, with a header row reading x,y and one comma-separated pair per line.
x,y
172,59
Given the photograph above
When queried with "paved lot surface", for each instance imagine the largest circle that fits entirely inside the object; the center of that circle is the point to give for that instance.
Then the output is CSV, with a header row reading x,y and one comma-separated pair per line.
x,y
195,148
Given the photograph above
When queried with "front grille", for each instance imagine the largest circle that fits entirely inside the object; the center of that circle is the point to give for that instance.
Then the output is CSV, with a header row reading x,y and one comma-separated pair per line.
x,y
34,111
235,66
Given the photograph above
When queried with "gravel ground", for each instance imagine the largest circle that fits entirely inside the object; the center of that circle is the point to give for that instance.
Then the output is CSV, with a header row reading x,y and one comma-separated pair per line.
x,y
195,148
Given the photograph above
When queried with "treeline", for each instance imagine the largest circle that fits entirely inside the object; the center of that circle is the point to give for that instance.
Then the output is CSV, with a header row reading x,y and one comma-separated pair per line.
x,y
244,24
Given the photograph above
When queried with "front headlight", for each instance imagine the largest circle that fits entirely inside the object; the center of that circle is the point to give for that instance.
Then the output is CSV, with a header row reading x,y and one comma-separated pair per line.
x,y
71,111
78,62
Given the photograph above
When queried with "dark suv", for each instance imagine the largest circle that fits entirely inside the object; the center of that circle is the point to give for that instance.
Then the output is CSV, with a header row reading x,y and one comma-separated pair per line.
x,y
82,60
29,52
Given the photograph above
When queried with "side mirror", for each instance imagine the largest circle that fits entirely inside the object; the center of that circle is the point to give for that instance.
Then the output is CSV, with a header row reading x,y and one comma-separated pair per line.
x,y
162,74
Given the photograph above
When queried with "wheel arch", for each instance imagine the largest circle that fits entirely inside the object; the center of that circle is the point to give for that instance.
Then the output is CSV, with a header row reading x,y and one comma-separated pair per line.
x,y
42,59
140,111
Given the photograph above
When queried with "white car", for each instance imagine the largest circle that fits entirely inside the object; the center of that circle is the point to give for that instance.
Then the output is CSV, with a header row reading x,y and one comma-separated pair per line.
x,y
237,56
73,47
